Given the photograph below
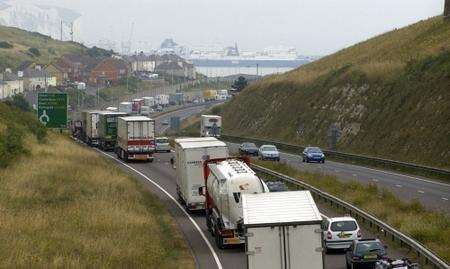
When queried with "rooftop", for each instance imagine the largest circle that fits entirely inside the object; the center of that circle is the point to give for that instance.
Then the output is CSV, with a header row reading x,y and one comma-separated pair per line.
x,y
272,208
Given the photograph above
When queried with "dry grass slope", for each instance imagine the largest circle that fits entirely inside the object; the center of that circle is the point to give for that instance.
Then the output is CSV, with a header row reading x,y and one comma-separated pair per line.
x,y
388,95
65,206
22,41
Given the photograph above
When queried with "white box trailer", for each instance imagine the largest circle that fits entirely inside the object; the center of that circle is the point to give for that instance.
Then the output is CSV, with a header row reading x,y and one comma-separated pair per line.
x,y
210,125
149,101
282,230
126,107
135,138
189,156
90,120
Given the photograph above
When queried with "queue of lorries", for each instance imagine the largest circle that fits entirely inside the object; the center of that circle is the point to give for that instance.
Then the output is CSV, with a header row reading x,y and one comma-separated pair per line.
x,y
279,228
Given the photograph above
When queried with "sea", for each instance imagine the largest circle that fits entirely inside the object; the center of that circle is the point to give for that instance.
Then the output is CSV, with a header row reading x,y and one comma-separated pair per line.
x,y
223,71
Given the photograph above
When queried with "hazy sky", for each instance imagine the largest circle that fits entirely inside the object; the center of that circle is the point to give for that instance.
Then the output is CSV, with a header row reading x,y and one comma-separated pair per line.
x,y
311,26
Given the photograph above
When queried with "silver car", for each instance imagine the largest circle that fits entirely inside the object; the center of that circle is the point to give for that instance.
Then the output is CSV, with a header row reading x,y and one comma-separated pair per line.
x,y
269,152
339,233
162,144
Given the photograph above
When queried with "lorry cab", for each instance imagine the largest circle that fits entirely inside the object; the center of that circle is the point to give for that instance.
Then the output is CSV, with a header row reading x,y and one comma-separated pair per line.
x,y
210,125
226,182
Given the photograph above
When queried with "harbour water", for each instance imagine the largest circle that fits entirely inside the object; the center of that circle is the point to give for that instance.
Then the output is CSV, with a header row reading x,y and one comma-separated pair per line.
x,y
223,71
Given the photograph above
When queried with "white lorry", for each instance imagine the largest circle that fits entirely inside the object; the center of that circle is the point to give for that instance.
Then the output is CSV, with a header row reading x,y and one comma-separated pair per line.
x,y
126,107
222,95
149,101
135,138
162,100
210,125
190,153
90,120
282,230
226,181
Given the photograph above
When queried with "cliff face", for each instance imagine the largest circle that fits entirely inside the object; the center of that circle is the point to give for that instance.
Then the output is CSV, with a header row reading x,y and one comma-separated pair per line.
x,y
397,111
38,18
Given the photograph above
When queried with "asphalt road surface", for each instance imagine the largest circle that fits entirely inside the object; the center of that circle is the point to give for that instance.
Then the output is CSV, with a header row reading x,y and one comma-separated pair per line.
x,y
159,178
432,194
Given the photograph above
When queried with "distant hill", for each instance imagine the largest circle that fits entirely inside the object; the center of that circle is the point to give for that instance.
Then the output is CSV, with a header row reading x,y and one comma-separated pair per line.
x,y
17,45
389,96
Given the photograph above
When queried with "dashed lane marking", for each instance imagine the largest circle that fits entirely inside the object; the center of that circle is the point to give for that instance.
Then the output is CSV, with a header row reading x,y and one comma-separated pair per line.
x,y
445,199
375,180
420,191
213,252
398,186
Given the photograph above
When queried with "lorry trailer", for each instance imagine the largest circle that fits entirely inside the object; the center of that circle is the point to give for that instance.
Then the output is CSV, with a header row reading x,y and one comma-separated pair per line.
x,y
107,129
126,107
190,153
135,138
89,120
210,125
226,180
282,230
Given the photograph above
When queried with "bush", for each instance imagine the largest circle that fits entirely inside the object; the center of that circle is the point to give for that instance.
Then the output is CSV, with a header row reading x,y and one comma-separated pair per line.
x,y
20,102
34,52
11,144
5,45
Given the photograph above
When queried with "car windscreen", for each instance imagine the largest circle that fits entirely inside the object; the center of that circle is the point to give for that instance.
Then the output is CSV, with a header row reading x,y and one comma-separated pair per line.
x,y
269,148
162,141
314,150
343,226
369,247
249,145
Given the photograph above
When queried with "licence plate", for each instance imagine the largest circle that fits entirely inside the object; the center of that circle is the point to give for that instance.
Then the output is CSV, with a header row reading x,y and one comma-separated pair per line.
x,y
141,157
233,241
370,257
343,235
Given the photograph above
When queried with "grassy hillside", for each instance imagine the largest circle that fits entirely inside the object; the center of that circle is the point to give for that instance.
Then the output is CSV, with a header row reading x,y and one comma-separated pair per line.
x,y
63,205
20,42
389,96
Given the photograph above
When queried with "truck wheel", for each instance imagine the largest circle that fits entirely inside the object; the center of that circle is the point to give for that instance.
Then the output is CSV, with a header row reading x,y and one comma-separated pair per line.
x,y
219,240
125,156
208,223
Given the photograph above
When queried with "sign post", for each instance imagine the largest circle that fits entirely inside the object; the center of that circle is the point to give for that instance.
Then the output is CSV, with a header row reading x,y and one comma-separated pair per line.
x,y
52,109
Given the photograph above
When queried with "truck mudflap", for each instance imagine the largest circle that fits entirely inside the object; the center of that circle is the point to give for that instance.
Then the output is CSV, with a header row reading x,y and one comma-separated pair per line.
x,y
140,157
195,206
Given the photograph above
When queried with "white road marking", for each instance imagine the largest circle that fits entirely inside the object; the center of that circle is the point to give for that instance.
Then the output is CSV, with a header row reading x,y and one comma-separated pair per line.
x,y
216,257
445,199
398,185
354,175
420,191
375,180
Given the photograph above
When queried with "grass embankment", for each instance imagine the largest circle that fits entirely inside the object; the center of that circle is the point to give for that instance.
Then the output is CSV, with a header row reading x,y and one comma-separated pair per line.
x,y
63,205
389,97
23,45
430,228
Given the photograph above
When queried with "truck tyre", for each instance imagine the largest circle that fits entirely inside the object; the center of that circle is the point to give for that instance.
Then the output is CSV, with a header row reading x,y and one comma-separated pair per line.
x,y
219,240
125,156
208,222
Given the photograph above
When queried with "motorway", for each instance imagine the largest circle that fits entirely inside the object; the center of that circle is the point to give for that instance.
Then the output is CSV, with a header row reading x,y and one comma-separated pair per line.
x,y
433,195
159,178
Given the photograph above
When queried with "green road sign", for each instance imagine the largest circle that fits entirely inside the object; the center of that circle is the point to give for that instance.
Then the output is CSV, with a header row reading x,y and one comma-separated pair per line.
x,y
52,109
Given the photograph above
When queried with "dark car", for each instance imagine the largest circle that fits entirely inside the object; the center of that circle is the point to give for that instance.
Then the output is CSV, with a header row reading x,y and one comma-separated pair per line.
x,y
248,148
313,154
365,253
276,186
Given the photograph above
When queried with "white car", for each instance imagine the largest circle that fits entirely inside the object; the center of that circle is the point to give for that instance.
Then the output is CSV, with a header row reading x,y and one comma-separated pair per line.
x,y
162,144
339,233
269,152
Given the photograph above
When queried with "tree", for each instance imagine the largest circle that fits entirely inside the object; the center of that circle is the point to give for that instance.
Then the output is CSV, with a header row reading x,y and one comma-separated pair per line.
x,y
239,84
34,52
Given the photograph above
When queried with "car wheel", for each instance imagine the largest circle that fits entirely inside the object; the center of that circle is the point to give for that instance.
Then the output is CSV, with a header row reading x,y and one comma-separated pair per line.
x,y
303,160
219,240
307,160
323,161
